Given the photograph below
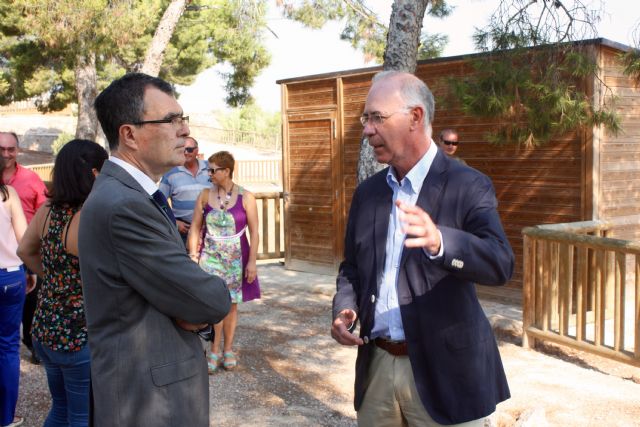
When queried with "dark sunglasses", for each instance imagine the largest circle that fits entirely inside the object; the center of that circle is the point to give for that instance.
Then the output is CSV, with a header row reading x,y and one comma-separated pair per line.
x,y
445,142
214,170
206,333
190,149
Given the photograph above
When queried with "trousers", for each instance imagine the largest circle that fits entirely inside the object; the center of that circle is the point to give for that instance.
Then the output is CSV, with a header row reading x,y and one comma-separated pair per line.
x,y
13,286
69,378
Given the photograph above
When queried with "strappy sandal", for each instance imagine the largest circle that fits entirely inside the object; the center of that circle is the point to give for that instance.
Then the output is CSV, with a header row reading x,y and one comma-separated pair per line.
x,y
230,361
213,362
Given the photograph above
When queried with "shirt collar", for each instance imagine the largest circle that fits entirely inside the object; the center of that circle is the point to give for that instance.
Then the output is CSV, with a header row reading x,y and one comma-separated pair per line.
x,y
142,179
418,173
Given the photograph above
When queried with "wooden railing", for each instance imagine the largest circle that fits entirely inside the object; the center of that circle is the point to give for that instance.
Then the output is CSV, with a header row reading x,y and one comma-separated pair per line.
x,y
43,170
267,171
582,289
270,208
271,225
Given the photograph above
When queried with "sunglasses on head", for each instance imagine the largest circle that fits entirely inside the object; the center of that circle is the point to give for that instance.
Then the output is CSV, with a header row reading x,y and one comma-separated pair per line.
x,y
445,142
190,149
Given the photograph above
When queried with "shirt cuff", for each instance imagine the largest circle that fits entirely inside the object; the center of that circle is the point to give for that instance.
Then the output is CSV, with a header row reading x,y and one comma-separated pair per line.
x,y
440,252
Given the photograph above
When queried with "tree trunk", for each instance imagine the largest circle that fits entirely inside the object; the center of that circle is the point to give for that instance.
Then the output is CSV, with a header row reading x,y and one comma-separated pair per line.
x,y
162,37
400,54
86,91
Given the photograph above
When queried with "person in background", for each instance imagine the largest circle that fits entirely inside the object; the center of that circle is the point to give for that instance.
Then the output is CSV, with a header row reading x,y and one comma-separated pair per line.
x,y
448,142
420,234
32,191
147,304
183,184
13,285
218,243
50,248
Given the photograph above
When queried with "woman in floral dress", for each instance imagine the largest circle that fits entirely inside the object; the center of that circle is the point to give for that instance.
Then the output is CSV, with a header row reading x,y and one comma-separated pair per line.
x,y
50,248
223,215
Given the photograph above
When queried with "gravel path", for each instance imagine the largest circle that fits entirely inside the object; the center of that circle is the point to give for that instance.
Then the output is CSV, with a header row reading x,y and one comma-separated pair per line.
x,y
292,373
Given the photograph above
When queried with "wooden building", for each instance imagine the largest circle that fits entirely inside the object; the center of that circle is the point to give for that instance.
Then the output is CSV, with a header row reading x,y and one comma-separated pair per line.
x,y
586,174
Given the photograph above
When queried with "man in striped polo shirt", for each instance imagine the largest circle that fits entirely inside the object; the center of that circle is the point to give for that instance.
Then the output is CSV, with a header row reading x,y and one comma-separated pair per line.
x,y
183,184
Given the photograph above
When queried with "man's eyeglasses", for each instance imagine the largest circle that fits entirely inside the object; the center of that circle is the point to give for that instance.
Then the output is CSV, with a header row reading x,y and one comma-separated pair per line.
x,y
214,170
376,118
175,120
206,333
190,149
445,142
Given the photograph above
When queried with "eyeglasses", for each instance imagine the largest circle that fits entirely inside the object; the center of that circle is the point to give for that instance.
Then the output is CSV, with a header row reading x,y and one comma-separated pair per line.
x,y
206,333
175,120
445,142
377,118
190,149
214,170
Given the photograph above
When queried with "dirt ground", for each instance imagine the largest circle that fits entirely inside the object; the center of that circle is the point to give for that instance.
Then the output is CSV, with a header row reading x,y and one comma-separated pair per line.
x,y
292,373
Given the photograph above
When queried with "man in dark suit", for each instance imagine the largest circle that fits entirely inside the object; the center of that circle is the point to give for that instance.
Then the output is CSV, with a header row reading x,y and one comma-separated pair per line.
x,y
145,299
420,233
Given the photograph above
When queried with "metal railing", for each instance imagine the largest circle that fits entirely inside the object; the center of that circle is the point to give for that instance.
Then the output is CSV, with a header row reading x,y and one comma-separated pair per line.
x,y
271,142
582,289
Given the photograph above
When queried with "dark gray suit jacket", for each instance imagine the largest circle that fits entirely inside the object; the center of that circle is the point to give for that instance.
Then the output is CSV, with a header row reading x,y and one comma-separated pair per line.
x,y
137,278
454,357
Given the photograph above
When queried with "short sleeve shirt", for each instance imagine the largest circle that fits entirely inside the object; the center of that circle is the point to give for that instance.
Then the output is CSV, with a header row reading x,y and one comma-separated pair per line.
x,y
30,188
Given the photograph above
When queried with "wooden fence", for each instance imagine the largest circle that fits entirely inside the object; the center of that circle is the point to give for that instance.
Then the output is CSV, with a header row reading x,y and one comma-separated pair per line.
x,y
246,171
271,225
270,204
582,289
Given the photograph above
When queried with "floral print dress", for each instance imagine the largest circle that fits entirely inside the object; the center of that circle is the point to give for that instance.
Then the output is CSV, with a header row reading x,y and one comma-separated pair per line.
x,y
225,249
59,321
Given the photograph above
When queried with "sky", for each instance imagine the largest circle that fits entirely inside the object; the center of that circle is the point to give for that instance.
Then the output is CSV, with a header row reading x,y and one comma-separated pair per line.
x,y
298,51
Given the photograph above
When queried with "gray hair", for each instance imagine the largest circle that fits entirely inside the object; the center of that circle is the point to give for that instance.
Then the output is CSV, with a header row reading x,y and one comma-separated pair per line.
x,y
414,92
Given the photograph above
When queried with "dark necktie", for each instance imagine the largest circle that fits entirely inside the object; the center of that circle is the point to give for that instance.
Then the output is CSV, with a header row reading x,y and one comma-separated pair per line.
x,y
162,202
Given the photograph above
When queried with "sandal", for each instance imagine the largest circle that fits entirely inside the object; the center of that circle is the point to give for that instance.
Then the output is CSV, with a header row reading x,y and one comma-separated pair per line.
x,y
213,362
17,421
230,361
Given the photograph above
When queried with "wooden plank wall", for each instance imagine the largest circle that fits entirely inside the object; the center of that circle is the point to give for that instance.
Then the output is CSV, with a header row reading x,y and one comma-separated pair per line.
x,y
619,193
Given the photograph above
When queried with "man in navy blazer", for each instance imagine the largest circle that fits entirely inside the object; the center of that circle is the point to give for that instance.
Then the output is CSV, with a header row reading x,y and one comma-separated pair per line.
x,y
420,234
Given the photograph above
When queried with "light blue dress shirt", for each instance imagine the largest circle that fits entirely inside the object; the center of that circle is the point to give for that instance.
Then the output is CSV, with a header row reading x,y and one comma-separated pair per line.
x,y
387,321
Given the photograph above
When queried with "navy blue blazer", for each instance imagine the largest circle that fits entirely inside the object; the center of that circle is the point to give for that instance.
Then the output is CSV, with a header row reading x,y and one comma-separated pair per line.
x,y
455,360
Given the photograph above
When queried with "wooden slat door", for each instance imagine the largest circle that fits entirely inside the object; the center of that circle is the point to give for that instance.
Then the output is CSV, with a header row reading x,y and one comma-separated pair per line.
x,y
311,193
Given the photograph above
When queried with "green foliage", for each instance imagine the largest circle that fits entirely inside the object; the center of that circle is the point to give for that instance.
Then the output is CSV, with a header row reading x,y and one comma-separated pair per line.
x,y
534,96
60,141
432,45
362,28
630,59
41,41
250,118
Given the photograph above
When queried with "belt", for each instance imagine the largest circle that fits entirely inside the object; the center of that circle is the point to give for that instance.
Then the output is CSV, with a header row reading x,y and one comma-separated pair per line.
x,y
395,348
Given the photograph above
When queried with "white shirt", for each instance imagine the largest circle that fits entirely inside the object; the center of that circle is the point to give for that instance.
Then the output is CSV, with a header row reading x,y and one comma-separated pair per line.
x,y
142,179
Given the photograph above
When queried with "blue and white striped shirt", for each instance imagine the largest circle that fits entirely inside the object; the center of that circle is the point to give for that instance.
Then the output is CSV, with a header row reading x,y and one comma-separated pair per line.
x,y
183,189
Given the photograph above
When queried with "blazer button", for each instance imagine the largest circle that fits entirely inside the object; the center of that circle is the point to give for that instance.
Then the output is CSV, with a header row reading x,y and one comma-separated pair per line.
x,y
365,339
373,299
